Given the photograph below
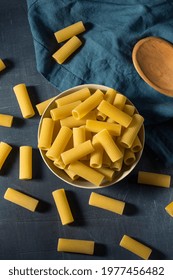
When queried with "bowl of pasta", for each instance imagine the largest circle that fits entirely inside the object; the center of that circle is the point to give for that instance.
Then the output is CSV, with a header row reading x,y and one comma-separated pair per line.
x,y
91,136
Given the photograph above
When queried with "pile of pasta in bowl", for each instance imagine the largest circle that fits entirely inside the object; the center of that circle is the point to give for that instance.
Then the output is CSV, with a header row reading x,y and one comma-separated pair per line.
x,y
91,136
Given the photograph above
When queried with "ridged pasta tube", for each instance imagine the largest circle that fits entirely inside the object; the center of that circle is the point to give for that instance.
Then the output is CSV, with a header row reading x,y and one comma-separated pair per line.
x,y
25,163
46,134
69,31
42,105
2,65
76,246
5,149
169,209
63,111
81,94
6,120
154,179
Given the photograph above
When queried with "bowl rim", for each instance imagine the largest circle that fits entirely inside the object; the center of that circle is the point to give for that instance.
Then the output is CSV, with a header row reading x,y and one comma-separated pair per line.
x,y
85,184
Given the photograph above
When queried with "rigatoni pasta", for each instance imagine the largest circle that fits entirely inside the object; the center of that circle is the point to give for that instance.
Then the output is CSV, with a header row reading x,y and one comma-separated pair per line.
x,y
42,105
5,149
69,31
76,246
25,163
67,49
154,179
21,199
24,101
46,133
136,247
6,120
2,65
107,203
169,209
77,95
63,111
63,206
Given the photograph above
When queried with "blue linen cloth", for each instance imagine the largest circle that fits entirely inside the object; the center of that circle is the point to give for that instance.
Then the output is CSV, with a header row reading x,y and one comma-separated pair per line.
x,y
112,29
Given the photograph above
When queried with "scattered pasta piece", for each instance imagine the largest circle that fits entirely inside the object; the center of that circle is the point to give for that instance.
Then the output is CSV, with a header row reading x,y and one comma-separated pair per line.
x,y
24,101
42,105
135,247
81,94
69,31
2,65
21,199
107,203
25,163
6,120
5,149
154,179
46,133
63,206
67,50
169,209
76,246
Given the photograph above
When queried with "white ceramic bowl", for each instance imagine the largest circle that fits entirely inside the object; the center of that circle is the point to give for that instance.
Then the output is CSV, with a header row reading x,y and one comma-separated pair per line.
x,y
81,183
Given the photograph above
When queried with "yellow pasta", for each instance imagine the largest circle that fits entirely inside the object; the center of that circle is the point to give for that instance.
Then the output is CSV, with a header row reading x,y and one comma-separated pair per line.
x,y
76,246
72,122
46,134
63,207
67,50
119,101
24,102
129,157
6,120
42,105
59,143
71,174
137,145
129,109
79,135
5,149
107,172
117,165
96,126
21,199
69,31
2,65
77,152
59,163
86,172
154,179
109,145
136,247
169,209
106,160
109,97
63,111
96,157
25,163
131,132
114,113
81,94
87,105
106,203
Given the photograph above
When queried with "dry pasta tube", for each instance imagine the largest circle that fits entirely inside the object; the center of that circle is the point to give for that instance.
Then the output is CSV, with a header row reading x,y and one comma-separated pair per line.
x,y
169,209
96,157
59,163
5,149
72,122
120,101
25,163
69,31
114,113
81,94
109,96
21,199
131,132
6,120
59,143
63,111
96,126
2,65
87,105
24,101
135,247
109,145
129,157
107,172
137,145
42,105
71,174
106,160
63,207
46,133
155,179
117,165
86,173
75,246
79,135
67,50
77,152
106,203
129,109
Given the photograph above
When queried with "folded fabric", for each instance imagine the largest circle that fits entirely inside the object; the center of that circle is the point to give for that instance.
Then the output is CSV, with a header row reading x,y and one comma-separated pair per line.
x,y
112,29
